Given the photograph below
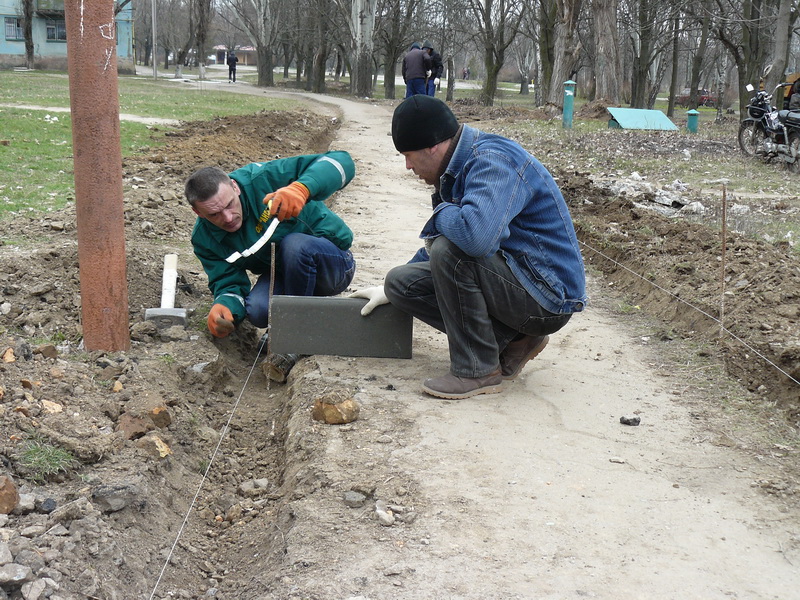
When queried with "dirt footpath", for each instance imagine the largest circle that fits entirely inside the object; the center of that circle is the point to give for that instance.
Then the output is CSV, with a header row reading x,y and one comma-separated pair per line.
x,y
539,492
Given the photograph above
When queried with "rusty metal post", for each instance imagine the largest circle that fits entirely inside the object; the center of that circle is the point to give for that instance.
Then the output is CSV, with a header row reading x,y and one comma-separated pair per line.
x,y
94,102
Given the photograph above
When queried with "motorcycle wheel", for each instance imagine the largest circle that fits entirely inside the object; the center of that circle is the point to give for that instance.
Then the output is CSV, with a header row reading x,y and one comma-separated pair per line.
x,y
750,136
794,146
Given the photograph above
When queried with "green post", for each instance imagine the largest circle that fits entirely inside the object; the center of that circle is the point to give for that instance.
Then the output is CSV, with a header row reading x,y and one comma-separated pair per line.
x,y
691,120
569,101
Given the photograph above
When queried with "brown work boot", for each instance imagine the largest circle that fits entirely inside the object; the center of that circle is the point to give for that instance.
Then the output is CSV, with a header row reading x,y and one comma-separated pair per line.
x,y
516,354
456,388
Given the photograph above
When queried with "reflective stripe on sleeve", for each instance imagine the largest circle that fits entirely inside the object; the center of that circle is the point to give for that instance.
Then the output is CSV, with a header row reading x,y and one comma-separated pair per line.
x,y
338,166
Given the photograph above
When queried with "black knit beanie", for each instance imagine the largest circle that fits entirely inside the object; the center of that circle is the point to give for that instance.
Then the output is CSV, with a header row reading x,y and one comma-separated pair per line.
x,y
422,122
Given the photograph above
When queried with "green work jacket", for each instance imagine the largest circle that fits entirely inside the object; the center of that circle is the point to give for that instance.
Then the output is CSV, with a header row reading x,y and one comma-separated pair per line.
x,y
322,174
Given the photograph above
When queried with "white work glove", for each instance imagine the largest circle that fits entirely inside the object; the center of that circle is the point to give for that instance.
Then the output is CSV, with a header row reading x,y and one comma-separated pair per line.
x,y
375,295
436,82
428,73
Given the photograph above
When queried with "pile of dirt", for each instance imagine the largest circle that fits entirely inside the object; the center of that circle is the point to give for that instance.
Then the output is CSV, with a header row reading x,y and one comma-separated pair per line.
x,y
698,283
596,109
143,424
471,110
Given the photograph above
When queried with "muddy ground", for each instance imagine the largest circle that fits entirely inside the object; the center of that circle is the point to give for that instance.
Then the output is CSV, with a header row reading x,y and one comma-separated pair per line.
x,y
144,425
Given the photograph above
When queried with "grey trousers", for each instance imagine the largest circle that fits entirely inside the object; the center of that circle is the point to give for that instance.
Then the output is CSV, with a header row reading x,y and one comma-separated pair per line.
x,y
477,302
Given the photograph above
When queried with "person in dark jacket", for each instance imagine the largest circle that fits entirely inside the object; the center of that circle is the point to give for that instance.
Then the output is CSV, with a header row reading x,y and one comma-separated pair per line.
x,y
417,66
232,60
437,68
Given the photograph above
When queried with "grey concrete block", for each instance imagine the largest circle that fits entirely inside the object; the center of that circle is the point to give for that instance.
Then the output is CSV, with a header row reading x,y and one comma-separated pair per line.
x,y
325,325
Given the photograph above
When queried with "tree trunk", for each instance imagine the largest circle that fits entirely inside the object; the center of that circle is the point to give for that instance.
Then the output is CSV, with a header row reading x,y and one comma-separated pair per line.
x,y
566,49
308,69
316,75
673,83
27,26
389,74
547,19
489,88
362,74
783,27
362,30
265,76
697,60
451,79
606,65
203,8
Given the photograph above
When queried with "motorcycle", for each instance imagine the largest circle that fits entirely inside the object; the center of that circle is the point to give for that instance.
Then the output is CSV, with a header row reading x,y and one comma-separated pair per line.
x,y
769,132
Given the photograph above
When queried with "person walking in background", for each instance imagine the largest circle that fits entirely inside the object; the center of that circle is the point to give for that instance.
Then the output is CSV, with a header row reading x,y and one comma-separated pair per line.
x,y
501,269
437,68
232,60
416,69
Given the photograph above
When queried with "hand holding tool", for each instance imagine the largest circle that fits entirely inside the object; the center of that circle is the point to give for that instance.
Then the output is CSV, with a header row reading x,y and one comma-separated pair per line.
x,y
287,202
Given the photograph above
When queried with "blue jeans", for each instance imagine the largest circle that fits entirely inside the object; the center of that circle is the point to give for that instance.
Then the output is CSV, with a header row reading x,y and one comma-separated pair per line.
x,y
415,86
308,266
477,302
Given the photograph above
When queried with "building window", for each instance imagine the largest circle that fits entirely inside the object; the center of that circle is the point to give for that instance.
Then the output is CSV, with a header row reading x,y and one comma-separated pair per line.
x,y
14,29
56,31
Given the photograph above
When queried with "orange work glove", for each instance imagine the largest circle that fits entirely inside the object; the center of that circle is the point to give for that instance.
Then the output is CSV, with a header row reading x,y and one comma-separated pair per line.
x,y
220,321
287,202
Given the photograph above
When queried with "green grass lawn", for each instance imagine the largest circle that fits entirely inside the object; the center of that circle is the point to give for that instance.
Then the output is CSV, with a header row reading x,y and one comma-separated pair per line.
x,y
36,145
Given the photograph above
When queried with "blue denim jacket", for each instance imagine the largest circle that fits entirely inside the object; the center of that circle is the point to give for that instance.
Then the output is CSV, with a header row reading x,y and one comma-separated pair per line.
x,y
497,197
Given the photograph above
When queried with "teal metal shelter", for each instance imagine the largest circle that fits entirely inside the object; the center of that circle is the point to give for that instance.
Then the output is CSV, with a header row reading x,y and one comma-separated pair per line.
x,y
640,118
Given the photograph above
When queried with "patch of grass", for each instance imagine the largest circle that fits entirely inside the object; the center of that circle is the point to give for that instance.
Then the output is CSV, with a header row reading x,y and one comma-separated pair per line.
x,y
37,144
56,338
626,308
42,460
138,95
39,153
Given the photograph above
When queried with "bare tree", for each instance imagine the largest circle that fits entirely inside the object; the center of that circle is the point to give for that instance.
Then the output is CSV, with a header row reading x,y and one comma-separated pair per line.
x,y
203,13
176,32
744,32
256,18
648,26
702,21
361,24
498,23
394,21
524,48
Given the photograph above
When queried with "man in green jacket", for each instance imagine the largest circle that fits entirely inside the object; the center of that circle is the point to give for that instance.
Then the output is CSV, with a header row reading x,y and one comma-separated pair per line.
x,y
282,202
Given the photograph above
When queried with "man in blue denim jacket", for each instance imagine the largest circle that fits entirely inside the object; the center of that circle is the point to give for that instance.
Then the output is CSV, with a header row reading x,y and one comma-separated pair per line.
x,y
501,268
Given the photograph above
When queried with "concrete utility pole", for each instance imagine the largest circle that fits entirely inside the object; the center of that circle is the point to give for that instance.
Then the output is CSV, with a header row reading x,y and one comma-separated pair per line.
x,y
94,102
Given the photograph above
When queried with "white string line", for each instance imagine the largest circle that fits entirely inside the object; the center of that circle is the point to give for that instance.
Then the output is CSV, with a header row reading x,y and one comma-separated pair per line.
x,y
208,468
698,309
